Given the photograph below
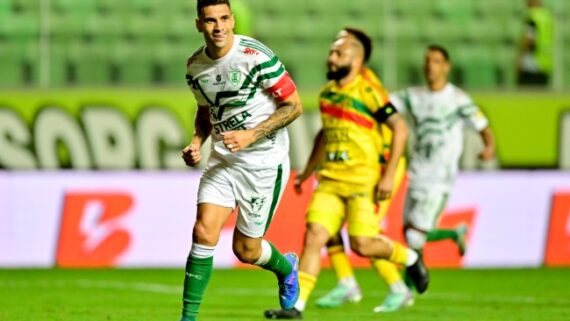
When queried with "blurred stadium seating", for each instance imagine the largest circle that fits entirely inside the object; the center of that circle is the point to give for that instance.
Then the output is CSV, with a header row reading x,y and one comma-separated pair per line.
x,y
146,42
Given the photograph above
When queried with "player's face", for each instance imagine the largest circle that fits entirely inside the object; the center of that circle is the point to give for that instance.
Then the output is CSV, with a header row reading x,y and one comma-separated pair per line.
x,y
217,24
339,63
436,67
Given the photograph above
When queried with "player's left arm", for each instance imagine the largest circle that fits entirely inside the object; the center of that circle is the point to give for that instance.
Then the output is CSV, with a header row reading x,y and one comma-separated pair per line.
x,y
475,119
396,123
289,108
488,151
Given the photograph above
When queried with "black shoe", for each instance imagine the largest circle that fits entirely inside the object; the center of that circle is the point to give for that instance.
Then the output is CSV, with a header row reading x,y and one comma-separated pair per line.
x,y
419,275
283,314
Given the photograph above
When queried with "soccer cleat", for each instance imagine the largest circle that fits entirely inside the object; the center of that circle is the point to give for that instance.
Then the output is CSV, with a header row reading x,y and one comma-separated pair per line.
x,y
419,275
395,301
340,295
283,314
461,238
289,285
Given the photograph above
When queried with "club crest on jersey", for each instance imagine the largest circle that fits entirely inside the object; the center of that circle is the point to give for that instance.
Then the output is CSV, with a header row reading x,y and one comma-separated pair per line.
x,y
257,203
235,77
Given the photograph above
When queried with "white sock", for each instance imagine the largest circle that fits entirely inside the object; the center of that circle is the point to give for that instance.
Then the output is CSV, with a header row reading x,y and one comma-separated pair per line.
x,y
412,257
265,253
200,251
399,287
300,305
349,282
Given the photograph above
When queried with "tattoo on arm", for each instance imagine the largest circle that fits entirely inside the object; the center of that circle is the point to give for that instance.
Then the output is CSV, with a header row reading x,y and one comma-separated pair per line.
x,y
286,112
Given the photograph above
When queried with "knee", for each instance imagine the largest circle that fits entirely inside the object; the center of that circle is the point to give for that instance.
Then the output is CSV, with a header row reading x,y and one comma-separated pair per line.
x,y
335,240
416,239
316,237
203,234
360,245
246,252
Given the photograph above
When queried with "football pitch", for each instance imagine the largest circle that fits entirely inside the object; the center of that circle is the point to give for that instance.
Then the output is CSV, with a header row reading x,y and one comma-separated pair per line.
x,y
243,294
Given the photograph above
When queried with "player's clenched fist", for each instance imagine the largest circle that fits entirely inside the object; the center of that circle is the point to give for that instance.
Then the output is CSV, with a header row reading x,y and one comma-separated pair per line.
x,y
191,155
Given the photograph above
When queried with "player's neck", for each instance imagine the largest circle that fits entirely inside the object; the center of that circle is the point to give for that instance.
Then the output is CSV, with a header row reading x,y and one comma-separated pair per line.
x,y
348,79
437,85
216,53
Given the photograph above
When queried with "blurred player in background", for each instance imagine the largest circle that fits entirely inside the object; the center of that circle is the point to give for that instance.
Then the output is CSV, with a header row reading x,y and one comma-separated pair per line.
x,y
245,99
347,289
353,107
536,51
436,114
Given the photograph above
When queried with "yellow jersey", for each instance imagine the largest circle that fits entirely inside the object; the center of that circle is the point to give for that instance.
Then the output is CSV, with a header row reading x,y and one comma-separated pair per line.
x,y
354,142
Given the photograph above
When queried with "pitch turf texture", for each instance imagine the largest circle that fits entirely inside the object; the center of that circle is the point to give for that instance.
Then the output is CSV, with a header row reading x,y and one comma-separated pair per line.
x,y
144,295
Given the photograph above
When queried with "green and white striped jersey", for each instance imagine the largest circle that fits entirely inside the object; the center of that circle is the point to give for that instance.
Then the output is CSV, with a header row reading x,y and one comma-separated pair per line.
x,y
236,90
437,120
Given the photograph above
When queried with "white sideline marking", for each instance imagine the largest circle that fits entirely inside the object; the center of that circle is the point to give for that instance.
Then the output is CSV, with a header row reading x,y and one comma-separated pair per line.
x,y
267,292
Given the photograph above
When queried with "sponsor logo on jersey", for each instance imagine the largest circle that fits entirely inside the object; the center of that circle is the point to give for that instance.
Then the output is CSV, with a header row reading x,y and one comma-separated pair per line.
x,y
250,51
235,77
232,123
219,81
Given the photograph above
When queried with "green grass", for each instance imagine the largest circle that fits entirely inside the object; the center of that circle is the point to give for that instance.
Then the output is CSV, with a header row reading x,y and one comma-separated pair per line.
x,y
143,294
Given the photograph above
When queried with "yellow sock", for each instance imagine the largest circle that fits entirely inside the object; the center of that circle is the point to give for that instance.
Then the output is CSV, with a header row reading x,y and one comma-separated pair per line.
x,y
388,271
340,263
306,283
399,253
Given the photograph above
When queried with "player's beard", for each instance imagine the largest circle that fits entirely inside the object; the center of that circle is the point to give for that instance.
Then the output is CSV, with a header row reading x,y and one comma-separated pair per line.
x,y
339,73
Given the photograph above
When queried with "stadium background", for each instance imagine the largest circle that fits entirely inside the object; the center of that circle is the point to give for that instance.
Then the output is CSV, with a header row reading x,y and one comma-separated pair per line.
x,y
94,111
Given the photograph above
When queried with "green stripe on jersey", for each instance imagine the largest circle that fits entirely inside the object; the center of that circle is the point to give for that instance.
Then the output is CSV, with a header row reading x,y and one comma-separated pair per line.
x,y
249,78
276,192
271,75
354,103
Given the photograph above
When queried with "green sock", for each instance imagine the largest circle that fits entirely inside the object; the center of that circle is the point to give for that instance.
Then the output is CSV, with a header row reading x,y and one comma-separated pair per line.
x,y
441,234
277,263
198,272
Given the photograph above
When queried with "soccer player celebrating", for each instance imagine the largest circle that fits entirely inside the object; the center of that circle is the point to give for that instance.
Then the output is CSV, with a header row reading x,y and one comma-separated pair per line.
x,y
437,114
245,99
350,185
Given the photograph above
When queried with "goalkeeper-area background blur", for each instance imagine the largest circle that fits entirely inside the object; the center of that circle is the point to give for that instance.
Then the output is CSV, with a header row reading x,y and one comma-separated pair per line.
x,y
95,221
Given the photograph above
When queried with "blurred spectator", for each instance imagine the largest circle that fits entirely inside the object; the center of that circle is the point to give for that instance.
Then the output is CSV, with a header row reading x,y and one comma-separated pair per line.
x,y
535,58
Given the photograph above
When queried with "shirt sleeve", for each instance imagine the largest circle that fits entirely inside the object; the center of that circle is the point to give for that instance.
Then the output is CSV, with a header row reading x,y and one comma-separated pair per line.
x,y
400,99
271,75
471,114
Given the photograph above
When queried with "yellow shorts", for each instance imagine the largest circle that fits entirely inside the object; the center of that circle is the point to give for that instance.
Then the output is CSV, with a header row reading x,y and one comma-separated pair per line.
x,y
334,203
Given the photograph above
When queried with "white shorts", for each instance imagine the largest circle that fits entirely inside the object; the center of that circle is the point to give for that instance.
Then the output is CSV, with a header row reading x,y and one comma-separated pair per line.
x,y
256,192
423,208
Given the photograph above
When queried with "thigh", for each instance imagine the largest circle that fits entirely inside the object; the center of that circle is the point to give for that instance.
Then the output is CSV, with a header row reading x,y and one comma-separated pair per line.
x,y
423,208
363,216
258,193
216,187
327,208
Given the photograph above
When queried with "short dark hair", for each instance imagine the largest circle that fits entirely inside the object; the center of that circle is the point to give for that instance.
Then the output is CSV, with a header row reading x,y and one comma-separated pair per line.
x,y
207,3
363,38
441,50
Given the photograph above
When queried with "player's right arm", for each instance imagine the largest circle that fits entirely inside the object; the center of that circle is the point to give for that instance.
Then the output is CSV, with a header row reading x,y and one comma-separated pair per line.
x,y
202,128
317,154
